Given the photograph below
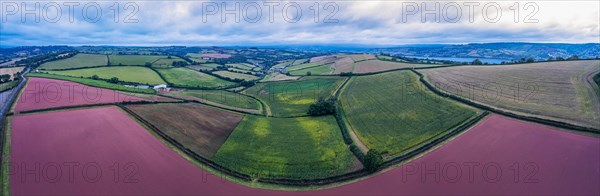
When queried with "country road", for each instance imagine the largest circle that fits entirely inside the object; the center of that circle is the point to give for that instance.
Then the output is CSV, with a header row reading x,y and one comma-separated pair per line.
x,y
14,93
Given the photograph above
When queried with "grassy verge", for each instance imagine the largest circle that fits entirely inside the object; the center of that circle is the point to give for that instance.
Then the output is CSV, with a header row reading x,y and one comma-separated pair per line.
x,y
5,177
8,85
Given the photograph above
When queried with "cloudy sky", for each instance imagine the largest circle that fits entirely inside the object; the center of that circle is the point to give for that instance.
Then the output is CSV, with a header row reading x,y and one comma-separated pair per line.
x,y
207,23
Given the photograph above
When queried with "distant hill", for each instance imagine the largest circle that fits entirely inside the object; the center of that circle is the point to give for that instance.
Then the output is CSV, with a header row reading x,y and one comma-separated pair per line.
x,y
508,51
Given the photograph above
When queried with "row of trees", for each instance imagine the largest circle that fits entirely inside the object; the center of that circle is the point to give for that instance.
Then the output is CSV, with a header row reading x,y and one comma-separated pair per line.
x,y
5,78
113,80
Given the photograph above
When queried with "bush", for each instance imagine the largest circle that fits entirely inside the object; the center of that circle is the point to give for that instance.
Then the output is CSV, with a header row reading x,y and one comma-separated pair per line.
x,y
322,107
372,160
346,74
114,80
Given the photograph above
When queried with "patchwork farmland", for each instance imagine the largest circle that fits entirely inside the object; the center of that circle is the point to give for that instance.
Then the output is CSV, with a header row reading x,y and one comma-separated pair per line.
x,y
356,64
197,128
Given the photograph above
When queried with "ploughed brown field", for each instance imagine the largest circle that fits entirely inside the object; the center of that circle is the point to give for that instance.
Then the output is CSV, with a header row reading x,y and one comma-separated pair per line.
x,y
378,65
323,59
345,64
44,93
562,90
200,128
362,57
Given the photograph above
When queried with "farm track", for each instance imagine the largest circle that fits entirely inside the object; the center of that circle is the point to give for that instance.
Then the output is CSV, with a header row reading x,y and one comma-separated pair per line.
x,y
589,80
355,140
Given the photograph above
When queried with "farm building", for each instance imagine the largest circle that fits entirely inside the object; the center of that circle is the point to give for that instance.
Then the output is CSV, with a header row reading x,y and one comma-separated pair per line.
x,y
162,88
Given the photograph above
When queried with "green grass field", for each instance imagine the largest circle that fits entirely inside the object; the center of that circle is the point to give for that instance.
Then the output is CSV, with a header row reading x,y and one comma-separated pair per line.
x,y
135,74
166,62
292,98
192,78
133,59
5,164
302,66
213,65
95,83
77,61
234,75
243,66
318,70
220,96
392,112
297,148
240,70
283,64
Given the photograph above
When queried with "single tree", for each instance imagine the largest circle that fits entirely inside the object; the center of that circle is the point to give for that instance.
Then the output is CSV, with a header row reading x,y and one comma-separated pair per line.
x,y
114,80
373,160
322,107
530,60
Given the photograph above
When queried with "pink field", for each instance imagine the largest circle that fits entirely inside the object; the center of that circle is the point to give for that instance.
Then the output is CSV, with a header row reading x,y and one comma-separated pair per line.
x,y
550,161
42,93
90,141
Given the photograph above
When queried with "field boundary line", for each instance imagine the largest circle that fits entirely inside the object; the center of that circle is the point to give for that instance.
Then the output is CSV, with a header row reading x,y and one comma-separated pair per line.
x,y
71,107
5,143
544,121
